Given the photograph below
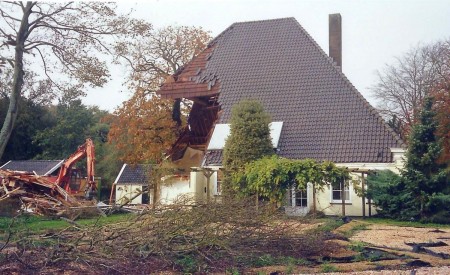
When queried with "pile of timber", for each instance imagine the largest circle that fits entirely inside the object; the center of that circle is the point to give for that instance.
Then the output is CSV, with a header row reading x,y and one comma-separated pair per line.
x,y
37,194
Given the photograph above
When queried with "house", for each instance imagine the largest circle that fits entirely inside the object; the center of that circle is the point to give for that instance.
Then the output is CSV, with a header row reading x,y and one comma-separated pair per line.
x,y
39,167
319,114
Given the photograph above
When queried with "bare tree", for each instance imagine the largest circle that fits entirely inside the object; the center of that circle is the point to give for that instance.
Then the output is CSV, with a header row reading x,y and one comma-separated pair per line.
x,y
65,41
160,53
402,86
157,55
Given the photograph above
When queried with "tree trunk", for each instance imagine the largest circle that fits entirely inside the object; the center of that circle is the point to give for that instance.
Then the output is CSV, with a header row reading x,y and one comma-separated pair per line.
x,y
11,115
155,194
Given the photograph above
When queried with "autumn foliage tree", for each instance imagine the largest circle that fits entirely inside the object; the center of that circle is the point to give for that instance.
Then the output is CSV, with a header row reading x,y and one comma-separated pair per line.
x,y
441,96
142,129
66,42
145,126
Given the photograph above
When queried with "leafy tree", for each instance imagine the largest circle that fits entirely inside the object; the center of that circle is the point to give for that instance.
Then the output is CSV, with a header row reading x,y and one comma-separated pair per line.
x,y
248,141
72,122
151,58
30,121
67,41
107,162
145,127
402,87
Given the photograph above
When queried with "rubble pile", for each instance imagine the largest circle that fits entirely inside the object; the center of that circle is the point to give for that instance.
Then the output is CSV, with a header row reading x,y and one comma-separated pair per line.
x,y
37,194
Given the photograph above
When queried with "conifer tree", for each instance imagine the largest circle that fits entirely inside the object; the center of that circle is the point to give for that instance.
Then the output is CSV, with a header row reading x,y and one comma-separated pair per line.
x,y
423,190
424,179
249,140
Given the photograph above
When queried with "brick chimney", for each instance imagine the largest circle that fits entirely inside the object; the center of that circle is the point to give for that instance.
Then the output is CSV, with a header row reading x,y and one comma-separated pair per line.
x,y
335,38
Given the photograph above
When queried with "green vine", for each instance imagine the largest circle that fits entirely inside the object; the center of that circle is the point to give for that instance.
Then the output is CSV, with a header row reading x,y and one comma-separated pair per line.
x,y
270,177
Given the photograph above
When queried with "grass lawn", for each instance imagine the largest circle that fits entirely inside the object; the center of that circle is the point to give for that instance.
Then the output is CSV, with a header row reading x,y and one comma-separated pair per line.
x,y
43,224
382,221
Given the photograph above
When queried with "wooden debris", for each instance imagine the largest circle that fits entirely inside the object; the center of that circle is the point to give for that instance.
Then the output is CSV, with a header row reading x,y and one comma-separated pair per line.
x,y
38,194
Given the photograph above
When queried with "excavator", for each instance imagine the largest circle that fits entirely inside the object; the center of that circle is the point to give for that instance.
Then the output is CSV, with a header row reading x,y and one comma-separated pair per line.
x,y
67,177
65,187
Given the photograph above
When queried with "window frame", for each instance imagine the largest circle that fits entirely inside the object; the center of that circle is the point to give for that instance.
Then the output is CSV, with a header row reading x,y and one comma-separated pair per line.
x,y
346,189
292,197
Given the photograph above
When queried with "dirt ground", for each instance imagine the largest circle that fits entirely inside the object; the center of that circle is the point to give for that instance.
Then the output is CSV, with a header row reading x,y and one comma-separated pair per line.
x,y
388,239
395,239
394,256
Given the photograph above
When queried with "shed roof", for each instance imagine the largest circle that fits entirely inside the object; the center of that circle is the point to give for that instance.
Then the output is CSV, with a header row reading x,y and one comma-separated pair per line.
x,y
133,174
40,167
278,63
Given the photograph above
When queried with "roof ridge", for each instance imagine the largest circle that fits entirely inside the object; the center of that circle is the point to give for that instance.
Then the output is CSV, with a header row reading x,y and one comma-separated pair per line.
x,y
264,20
215,39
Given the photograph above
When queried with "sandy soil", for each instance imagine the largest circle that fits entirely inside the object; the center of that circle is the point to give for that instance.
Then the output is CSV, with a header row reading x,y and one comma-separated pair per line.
x,y
396,237
444,270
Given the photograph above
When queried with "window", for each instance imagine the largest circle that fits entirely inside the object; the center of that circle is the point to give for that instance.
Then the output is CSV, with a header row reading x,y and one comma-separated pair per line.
x,y
297,197
336,192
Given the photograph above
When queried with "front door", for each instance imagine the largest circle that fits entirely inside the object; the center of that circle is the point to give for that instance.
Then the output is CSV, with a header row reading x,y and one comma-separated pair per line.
x,y
297,202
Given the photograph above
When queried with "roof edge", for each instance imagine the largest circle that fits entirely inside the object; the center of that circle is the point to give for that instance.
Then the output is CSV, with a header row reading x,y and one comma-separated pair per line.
x,y
5,164
120,173
54,168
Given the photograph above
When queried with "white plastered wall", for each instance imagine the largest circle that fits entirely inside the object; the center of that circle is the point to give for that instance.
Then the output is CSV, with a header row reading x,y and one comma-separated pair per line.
x,y
124,192
174,187
354,207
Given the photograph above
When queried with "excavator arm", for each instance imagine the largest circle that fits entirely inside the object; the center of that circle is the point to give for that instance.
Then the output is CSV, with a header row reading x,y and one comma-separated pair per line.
x,y
85,150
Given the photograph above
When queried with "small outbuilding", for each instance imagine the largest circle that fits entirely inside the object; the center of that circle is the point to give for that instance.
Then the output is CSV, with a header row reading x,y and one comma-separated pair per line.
x,y
39,167
131,183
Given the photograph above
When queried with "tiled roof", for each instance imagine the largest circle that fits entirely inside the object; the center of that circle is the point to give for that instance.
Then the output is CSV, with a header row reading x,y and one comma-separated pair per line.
x,y
40,167
134,174
278,63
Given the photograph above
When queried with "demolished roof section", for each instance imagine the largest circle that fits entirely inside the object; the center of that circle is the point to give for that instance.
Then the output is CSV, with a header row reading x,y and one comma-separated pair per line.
x,y
192,80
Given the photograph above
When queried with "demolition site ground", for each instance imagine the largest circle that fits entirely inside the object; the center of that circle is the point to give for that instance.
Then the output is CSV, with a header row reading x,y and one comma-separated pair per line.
x,y
232,238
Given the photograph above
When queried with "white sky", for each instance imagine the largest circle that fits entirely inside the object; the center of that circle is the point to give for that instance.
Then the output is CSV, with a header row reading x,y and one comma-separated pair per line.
x,y
374,31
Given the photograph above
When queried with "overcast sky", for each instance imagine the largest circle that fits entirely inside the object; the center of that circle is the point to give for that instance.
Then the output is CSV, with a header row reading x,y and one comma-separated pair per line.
x,y
374,31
